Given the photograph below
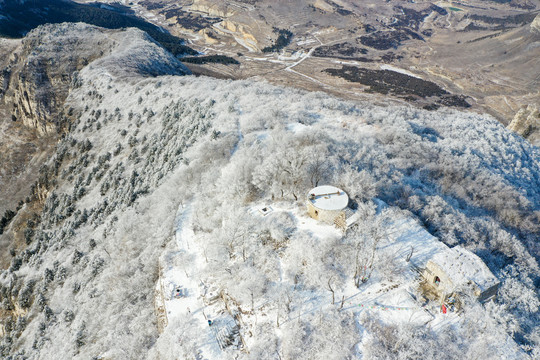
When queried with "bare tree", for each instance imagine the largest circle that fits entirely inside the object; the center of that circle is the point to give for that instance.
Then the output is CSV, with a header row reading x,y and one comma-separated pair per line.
x,y
364,241
319,167
331,289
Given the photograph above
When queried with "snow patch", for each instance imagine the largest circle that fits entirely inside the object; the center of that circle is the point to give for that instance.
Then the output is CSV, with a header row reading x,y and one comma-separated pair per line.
x,y
399,70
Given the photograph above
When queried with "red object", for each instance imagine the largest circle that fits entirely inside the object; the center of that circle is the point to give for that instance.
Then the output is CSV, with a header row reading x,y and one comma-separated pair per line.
x,y
443,307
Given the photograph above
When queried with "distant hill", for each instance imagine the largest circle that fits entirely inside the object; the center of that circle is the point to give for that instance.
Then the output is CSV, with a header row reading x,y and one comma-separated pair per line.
x,y
19,17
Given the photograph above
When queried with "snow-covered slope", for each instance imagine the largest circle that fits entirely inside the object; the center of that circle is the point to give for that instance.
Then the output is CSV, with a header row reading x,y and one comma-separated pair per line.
x,y
39,72
149,159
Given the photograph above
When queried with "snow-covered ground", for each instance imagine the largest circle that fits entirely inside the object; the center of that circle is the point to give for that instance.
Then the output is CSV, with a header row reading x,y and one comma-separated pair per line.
x,y
393,302
160,181
399,70
182,288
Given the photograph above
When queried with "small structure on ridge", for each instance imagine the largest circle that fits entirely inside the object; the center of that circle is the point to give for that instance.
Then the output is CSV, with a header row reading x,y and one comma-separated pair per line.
x,y
456,269
327,203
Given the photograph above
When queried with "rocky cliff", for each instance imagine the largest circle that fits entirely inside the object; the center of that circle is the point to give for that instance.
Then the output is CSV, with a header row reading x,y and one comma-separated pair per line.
x,y
37,78
221,10
38,75
535,25
526,122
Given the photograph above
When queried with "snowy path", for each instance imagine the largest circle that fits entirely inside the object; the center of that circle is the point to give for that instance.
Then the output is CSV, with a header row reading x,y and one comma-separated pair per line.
x,y
180,272
390,300
393,305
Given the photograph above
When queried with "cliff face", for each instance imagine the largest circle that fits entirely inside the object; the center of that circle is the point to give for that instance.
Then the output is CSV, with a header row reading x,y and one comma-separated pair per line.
x,y
535,25
37,77
212,9
526,123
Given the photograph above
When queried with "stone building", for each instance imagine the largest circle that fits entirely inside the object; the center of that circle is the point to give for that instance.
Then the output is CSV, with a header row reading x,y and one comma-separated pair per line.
x,y
455,270
327,203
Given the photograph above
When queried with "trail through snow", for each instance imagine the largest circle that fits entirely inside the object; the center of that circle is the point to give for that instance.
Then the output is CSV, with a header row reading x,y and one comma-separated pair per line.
x,y
180,276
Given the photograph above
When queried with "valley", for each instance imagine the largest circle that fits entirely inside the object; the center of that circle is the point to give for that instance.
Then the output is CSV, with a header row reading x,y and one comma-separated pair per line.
x,y
483,51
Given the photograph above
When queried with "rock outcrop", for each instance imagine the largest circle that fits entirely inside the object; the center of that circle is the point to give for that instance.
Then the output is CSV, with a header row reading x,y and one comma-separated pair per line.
x,y
535,25
209,36
240,33
40,72
526,123
221,10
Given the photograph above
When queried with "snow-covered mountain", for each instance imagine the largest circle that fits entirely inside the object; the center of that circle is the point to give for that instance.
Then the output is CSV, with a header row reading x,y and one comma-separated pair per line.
x,y
38,73
161,174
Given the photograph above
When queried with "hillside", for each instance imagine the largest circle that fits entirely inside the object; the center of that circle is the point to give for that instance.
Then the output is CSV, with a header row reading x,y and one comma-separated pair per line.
x,y
159,172
38,73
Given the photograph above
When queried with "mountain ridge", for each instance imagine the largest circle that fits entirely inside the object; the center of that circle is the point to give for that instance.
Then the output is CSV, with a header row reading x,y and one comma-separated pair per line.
x,y
140,146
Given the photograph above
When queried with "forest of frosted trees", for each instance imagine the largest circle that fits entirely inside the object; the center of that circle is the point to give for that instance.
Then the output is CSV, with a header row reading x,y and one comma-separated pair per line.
x,y
140,148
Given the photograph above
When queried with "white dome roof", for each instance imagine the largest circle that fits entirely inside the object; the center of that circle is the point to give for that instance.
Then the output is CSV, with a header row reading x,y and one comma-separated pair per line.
x,y
328,197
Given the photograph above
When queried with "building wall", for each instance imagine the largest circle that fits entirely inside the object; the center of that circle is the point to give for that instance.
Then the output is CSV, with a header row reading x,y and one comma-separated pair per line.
x,y
431,272
446,286
326,216
312,211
